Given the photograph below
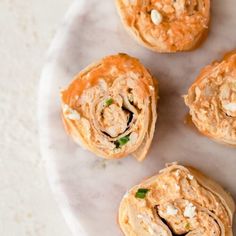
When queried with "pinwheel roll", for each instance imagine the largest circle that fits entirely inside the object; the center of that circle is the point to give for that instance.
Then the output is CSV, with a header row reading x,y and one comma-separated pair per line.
x,y
166,25
110,107
177,201
212,100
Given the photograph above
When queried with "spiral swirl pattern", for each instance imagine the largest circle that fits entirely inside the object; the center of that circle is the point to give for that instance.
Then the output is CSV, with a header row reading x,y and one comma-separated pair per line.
x,y
177,201
115,101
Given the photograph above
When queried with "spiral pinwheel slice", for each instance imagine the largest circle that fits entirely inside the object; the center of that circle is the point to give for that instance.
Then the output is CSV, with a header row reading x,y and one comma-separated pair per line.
x,y
110,107
177,201
212,101
166,25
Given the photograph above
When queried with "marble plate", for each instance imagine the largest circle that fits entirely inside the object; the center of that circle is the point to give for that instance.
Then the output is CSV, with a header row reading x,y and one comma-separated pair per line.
x,y
89,189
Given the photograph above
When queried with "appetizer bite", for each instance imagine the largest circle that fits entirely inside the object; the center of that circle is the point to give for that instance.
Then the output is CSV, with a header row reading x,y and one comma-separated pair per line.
x,y
212,100
110,107
166,25
177,201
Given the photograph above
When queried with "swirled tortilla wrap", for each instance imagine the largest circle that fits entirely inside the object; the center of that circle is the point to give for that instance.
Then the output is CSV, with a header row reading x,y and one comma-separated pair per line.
x,y
166,25
110,107
212,100
177,201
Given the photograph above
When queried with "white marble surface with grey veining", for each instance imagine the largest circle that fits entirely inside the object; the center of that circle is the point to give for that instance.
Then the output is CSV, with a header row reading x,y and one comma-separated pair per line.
x,y
27,205
89,188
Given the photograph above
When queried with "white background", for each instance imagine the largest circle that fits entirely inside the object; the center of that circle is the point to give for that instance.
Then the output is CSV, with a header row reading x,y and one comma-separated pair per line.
x,y
27,207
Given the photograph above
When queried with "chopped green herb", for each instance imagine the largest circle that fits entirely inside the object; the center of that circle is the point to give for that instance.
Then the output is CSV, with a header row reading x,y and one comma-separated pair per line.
x,y
122,141
109,101
187,226
141,193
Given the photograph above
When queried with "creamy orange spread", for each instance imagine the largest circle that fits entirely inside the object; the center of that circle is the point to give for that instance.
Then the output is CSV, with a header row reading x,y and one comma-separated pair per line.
x,y
176,204
166,25
115,99
212,100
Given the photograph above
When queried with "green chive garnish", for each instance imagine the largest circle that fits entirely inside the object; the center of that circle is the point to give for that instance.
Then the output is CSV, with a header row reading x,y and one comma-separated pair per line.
x,y
109,101
122,141
141,193
187,226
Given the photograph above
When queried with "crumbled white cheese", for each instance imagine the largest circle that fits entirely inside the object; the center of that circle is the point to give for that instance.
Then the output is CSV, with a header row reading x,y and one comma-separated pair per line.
x,y
190,177
156,17
177,173
151,88
139,216
69,113
190,210
177,187
230,107
171,210
66,108
73,116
